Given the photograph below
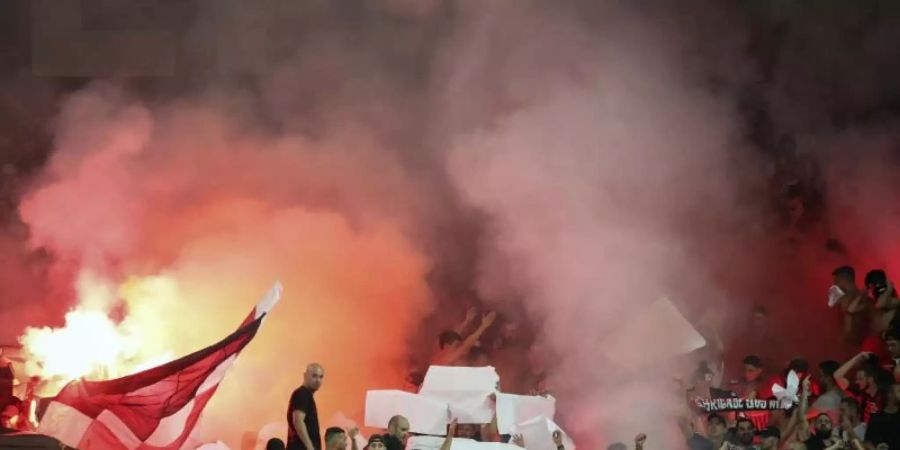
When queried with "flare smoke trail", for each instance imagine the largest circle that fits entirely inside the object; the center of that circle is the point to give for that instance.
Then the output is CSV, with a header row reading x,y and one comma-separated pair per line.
x,y
598,186
198,220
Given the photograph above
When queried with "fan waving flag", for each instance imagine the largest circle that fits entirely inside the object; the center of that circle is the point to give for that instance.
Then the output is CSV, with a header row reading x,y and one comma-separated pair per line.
x,y
151,410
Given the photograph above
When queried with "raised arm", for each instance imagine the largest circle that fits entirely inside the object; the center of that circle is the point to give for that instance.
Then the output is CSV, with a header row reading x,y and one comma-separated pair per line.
x,y
471,313
472,339
353,433
489,431
716,344
803,432
558,440
886,301
854,440
639,441
840,375
451,431
685,422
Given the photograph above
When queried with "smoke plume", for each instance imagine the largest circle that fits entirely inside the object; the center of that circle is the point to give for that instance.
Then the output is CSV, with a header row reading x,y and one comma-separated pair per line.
x,y
197,215
598,187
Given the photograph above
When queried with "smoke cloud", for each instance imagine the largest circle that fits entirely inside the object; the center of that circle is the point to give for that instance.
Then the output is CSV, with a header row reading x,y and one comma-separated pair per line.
x,y
598,188
186,193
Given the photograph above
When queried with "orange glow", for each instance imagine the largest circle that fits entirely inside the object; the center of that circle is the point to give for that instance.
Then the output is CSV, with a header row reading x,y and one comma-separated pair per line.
x,y
88,343
185,225
91,345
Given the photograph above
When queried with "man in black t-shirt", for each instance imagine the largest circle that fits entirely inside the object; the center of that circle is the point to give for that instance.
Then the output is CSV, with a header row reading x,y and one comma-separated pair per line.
x,y
884,427
302,415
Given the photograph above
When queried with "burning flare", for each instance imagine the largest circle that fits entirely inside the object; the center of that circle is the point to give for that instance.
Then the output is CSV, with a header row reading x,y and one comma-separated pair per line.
x,y
91,344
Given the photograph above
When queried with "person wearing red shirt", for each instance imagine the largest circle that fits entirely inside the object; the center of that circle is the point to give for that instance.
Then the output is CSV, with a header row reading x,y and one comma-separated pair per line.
x,y
864,388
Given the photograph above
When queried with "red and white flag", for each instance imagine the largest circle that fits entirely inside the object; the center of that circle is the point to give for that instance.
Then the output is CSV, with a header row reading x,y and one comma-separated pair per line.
x,y
151,410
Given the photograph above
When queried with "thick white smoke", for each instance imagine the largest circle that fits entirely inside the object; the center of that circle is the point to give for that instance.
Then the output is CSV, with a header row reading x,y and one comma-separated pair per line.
x,y
597,184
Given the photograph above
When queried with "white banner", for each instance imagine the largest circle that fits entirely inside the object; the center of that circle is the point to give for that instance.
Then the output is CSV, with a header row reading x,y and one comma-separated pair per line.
x,y
466,389
434,443
660,322
426,415
515,409
538,434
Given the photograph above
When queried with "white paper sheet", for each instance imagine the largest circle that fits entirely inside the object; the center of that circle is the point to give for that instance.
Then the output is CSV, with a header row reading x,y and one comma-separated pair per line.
x,y
424,443
444,378
468,444
434,443
538,434
646,329
426,415
567,441
834,295
465,389
515,409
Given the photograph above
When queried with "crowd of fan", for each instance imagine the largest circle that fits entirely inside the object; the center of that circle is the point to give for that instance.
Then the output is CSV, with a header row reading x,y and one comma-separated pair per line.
x,y
464,345
854,404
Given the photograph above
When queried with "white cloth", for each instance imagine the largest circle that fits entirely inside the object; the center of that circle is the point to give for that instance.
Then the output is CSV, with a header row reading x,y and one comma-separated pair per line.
x,y
515,409
466,389
426,415
834,295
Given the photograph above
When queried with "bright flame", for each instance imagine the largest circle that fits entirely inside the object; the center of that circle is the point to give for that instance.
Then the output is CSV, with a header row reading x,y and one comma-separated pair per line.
x,y
87,343
91,344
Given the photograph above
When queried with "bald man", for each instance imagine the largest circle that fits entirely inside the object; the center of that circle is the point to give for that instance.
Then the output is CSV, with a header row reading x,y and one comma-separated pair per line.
x,y
302,415
398,433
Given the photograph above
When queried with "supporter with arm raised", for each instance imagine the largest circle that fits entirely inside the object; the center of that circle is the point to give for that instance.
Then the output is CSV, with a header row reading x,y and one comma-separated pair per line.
x,y
639,441
886,301
865,387
454,349
353,433
815,438
558,440
854,305
463,326
803,425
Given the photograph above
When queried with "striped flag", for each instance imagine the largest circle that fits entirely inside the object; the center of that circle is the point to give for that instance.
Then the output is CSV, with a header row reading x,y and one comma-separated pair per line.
x,y
151,410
